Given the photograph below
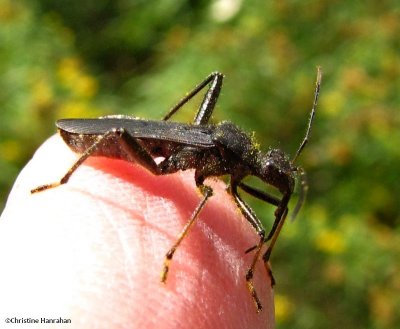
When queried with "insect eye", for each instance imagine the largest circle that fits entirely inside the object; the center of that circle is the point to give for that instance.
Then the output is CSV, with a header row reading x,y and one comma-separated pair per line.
x,y
269,168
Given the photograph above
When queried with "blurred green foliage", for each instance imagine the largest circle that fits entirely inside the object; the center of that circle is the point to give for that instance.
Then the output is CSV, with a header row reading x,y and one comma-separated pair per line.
x,y
337,266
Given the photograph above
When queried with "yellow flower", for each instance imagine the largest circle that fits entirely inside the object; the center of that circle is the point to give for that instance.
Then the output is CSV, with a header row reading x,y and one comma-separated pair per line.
x,y
85,86
74,79
283,308
332,104
73,109
330,241
42,93
10,150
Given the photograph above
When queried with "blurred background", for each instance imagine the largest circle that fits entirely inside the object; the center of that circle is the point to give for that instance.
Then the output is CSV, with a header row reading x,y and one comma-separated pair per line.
x,y
338,264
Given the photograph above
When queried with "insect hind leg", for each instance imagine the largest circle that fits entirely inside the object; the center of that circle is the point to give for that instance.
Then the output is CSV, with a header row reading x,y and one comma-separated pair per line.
x,y
206,108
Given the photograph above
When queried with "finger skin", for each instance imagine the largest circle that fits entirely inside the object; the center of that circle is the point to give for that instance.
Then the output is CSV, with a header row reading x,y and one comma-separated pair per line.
x,y
92,250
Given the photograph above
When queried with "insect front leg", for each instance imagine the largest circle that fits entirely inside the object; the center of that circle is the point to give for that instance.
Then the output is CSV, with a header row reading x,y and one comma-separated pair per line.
x,y
280,217
260,194
207,192
281,207
131,151
256,223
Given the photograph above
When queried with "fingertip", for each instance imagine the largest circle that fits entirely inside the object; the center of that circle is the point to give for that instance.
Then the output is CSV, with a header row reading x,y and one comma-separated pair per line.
x,y
112,225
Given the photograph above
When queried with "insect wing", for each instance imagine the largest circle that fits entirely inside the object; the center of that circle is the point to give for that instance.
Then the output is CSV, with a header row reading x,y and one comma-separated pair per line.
x,y
196,135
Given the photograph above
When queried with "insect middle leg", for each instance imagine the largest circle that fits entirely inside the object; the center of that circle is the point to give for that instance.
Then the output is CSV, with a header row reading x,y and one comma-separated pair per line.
x,y
175,162
207,193
130,149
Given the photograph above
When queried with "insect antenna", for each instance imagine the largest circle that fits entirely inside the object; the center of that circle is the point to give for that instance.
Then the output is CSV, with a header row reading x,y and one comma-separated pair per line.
x,y
301,173
302,177
312,114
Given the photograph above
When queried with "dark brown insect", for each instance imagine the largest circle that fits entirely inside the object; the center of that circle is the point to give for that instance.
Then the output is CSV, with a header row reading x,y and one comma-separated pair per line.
x,y
210,149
